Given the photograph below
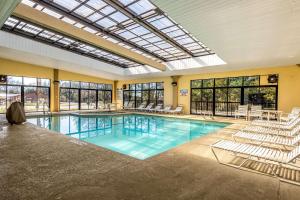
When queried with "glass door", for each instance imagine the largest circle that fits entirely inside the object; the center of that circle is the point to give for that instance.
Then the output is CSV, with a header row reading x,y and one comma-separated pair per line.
x,y
221,101
234,100
13,94
2,98
30,99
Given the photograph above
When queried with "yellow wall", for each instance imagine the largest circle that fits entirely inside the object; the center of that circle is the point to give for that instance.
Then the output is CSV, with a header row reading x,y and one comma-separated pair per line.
x,y
65,75
14,68
288,90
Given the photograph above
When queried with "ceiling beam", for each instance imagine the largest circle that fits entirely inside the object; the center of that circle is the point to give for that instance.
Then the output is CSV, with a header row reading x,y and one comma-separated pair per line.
x,y
35,16
6,8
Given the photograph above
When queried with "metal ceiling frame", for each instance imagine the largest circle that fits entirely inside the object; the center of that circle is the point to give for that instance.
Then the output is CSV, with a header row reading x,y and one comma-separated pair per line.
x,y
83,21
53,43
141,21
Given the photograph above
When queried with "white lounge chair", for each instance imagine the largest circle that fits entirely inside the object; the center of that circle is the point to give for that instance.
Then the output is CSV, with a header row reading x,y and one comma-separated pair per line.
x,y
147,108
129,106
125,104
165,109
269,139
242,111
250,151
101,106
294,113
178,110
276,124
255,111
142,106
156,109
273,131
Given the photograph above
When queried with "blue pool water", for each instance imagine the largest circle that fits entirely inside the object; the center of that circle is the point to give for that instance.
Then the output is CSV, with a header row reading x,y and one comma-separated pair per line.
x,y
139,136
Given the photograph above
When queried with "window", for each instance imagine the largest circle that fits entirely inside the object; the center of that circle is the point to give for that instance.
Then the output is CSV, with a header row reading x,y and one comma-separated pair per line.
x,y
33,92
251,81
222,96
13,94
74,99
75,95
30,99
88,99
144,92
64,99
2,98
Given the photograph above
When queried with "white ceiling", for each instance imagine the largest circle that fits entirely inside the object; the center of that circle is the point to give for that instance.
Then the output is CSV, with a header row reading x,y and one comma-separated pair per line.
x,y
245,34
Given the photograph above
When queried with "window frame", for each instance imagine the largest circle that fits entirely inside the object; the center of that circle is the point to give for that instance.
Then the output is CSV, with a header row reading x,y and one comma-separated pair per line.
x,y
228,87
22,88
105,88
141,91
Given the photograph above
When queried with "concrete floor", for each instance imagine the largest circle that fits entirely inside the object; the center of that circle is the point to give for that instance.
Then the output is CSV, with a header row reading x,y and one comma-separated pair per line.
x,y
38,164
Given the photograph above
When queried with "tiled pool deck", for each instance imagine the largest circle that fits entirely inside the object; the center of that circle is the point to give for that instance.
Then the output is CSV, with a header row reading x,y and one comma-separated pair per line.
x,y
35,164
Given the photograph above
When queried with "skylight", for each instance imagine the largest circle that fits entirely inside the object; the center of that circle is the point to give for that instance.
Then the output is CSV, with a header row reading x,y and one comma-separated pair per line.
x,y
138,24
30,30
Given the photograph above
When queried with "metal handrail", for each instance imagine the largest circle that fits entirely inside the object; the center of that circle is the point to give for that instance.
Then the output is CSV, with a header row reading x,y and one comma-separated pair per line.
x,y
45,111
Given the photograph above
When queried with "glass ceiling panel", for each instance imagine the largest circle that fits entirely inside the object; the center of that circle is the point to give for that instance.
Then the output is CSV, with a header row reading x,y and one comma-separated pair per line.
x,y
84,11
126,2
119,17
35,32
107,10
106,23
69,4
141,7
96,4
94,17
138,25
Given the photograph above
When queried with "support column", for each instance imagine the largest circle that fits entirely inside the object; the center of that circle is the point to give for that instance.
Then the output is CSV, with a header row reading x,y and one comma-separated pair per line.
x,y
56,90
6,8
175,90
114,99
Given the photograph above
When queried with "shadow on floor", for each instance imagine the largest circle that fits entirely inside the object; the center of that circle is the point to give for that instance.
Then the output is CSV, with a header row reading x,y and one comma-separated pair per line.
x,y
284,173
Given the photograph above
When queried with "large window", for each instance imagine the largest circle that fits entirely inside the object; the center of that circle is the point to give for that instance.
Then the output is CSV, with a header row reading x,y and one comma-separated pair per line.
x,y
222,96
33,92
144,92
75,95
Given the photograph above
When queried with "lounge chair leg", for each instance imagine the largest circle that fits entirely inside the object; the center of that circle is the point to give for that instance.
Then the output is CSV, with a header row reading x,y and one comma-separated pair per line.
x,y
215,155
246,159
233,138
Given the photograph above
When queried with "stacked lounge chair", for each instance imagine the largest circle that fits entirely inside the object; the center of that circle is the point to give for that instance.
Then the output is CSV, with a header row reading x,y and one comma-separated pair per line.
x,y
144,107
165,109
270,138
177,110
129,106
250,151
242,111
271,142
277,124
156,109
255,112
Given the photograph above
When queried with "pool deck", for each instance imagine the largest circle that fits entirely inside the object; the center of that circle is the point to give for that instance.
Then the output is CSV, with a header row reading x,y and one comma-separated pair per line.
x,y
37,164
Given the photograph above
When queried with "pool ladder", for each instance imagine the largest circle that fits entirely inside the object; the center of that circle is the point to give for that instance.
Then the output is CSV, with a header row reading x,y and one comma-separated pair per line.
x,y
46,112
